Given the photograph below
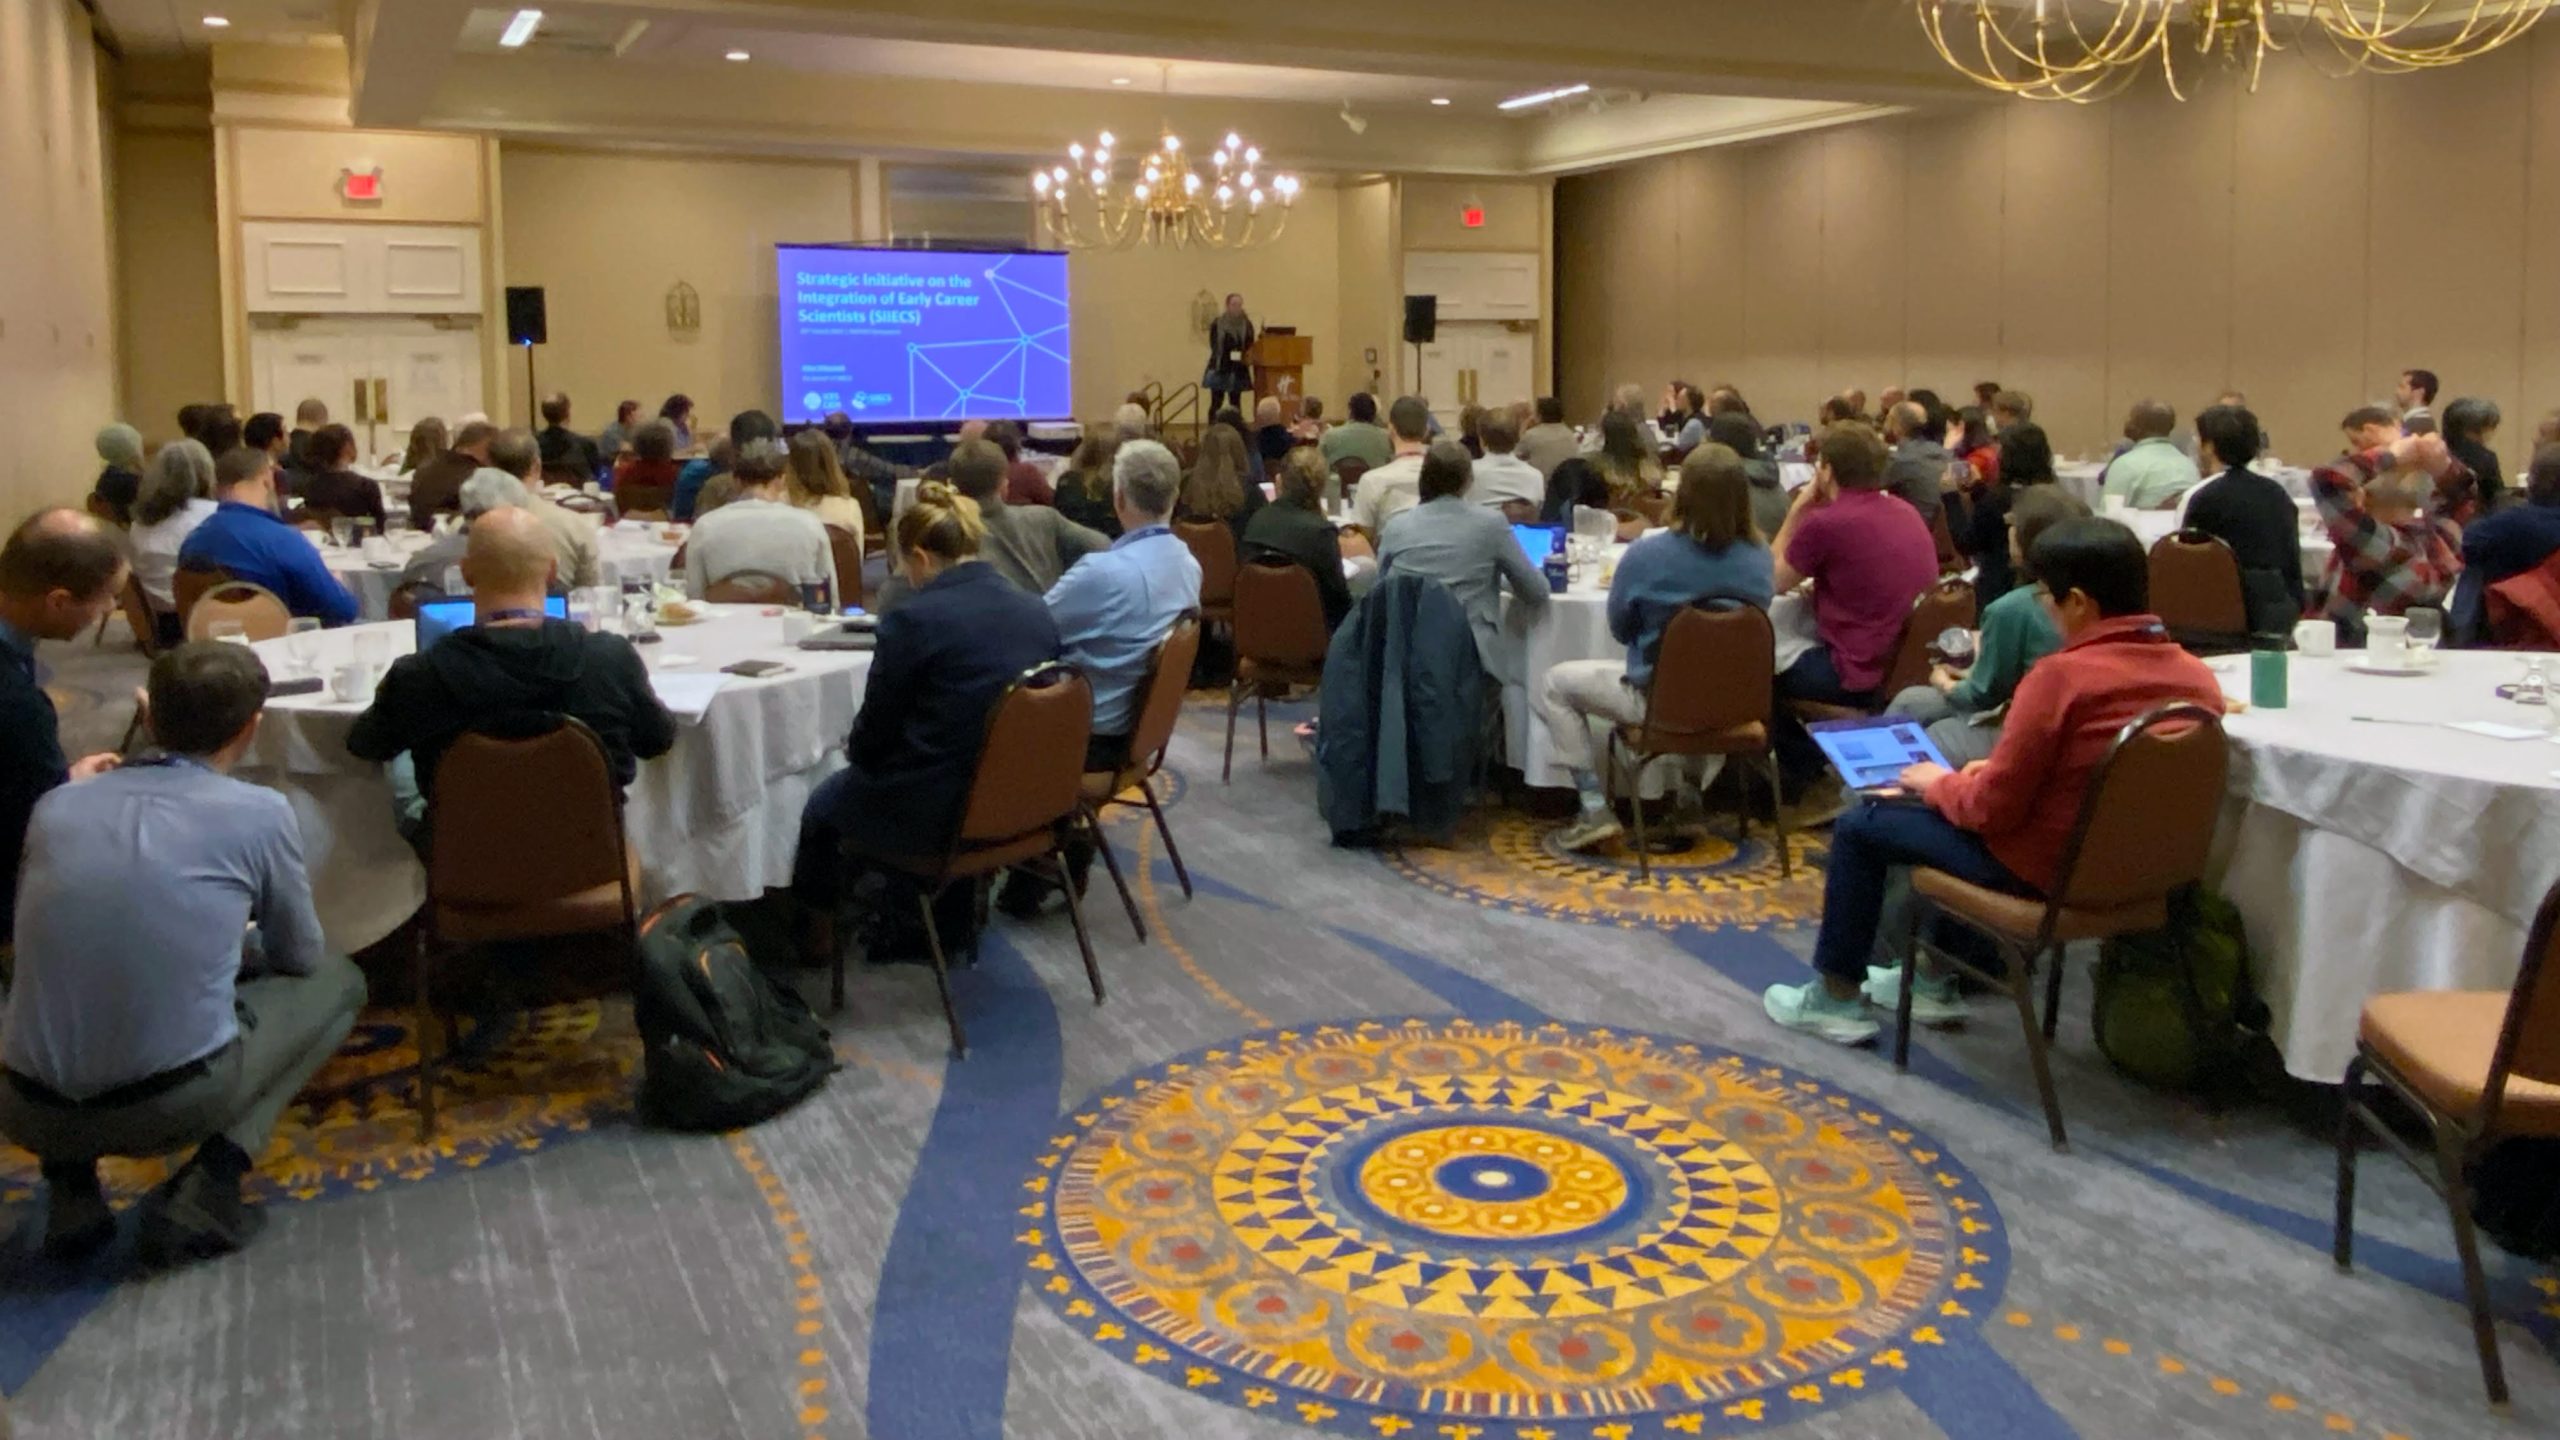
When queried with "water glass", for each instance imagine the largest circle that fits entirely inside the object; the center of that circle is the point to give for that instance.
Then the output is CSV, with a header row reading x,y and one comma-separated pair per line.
x,y
582,610
343,530
302,642
2426,627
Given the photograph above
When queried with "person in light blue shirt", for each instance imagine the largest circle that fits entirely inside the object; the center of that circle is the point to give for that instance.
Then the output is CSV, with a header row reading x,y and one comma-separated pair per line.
x,y
244,539
1693,419
142,1021
1115,606
2152,473
1711,552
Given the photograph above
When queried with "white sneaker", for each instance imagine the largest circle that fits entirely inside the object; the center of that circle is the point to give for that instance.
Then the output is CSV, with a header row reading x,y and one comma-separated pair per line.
x,y
1935,1001
1810,1008
1590,832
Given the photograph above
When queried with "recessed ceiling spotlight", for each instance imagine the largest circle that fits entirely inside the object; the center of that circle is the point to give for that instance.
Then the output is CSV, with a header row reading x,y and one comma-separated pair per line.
x,y
1439,99
217,22
1119,79
520,29
738,55
1523,102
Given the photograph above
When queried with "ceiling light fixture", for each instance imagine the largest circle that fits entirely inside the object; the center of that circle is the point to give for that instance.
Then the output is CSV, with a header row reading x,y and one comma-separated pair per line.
x,y
1119,79
520,29
1355,123
217,22
737,55
1523,102
1439,99
1225,202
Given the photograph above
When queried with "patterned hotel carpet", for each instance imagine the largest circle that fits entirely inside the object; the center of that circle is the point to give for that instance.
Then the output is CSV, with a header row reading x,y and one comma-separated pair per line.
x,y
1467,1144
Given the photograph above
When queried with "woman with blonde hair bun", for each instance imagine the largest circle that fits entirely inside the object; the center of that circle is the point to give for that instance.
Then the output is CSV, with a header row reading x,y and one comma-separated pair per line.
x,y
942,661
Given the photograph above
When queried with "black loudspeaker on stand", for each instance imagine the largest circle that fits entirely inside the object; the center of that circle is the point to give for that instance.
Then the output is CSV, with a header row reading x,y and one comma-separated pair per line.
x,y
1421,327
528,325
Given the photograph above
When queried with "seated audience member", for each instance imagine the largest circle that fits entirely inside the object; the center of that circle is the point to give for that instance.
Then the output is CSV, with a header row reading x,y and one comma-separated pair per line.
x,y
222,432
1626,400
563,446
435,487
513,661
1028,545
613,439
266,431
1294,528
2152,473
2002,413
1309,427
2470,423
943,660
1084,487
1576,482
1024,482
2392,512
1709,551
861,467
704,485
120,479
2026,462
1868,557
1271,439
1115,606
573,536
1388,490
1688,423
330,482
2416,393
1503,481
1971,431
677,411
760,530
2014,632
1550,442
1736,431
1130,422
308,417
1359,438
1629,465
140,1021
59,573
176,497
244,539
645,479
2001,823
2253,515
2506,543
427,440
1233,419
1220,485
1467,548
816,482
1918,470
433,565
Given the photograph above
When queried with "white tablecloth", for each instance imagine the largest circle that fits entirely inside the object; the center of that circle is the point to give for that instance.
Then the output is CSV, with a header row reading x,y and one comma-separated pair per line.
x,y
2371,855
718,815
620,555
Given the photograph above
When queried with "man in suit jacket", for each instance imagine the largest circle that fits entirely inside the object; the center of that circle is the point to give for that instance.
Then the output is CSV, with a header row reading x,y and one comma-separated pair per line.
x,y
561,445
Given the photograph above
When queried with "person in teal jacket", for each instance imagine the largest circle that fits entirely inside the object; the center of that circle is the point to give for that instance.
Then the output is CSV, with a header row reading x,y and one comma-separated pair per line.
x,y
1961,707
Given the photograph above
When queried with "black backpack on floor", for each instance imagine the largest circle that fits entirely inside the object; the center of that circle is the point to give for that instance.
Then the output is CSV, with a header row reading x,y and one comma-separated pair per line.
x,y
726,1044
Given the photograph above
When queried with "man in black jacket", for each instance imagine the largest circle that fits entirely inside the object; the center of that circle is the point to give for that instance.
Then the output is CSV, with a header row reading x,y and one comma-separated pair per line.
x,y
561,445
59,572
513,662
2253,515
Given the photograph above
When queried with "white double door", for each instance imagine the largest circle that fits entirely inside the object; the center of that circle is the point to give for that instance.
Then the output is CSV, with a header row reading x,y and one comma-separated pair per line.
x,y
1477,362
378,374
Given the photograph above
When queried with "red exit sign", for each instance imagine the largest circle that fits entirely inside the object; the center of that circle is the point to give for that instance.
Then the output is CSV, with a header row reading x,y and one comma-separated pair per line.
x,y
1472,217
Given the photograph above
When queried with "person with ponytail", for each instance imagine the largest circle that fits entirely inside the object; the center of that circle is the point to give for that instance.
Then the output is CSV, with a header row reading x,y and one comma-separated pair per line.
x,y
943,660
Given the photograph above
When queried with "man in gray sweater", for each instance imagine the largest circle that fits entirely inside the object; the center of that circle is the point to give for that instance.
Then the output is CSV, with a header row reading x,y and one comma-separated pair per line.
x,y
1030,545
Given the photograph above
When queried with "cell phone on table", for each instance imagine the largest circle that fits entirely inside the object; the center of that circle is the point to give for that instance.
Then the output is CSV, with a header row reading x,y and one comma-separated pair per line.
x,y
755,669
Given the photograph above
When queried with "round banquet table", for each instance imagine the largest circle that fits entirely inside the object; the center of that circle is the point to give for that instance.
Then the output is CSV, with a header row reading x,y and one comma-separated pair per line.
x,y
718,815
2382,853
633,551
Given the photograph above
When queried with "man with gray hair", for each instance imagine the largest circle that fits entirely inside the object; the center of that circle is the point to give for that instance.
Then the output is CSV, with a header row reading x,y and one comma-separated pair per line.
x,y
1917,470
518,454
1115,606
485,491
1030,545
1130,421
2152,473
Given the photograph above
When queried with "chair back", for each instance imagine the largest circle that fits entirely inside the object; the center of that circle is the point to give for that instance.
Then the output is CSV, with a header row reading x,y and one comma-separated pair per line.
x,y
1347,472
2523,610
1030,770
525,811
561,472
190,582
1213,544
2195,587
1160,703
1945,604
407,597
2529,1043
1279,614
313,517
751,587
261,615
1656,509
632,497
138,614
2147,819
1716,671
848,552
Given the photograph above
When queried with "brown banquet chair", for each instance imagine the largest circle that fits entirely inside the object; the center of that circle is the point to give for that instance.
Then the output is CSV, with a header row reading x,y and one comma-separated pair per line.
x,y
261,615
1709,695
1280,642
848,555
1948,604
2196,592
1159,707
1347,472
2142,832
1213,544
751,587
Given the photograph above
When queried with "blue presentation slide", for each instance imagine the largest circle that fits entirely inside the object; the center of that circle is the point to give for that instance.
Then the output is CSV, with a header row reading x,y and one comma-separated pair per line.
x,y
898,335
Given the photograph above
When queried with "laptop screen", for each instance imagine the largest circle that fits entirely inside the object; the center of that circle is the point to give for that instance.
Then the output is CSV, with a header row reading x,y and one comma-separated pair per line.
x,y
1537,541
1872,752
439,618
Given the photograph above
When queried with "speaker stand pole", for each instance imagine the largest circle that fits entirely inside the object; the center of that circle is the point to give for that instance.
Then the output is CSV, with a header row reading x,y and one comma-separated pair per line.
x,y
1420,392
531,410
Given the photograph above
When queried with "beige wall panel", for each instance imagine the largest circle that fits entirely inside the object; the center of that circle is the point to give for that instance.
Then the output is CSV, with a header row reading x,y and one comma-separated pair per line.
x,y
172,282
1584,284
2446,295
2298,256
1861,294
1709,277
2169,261
1951,251
2054,246
1372,299
2540,392
1433,213
1782,372
1646,348
293,175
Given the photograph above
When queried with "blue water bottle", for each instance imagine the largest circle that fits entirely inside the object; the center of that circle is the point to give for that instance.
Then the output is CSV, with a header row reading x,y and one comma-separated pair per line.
x,y
1559,569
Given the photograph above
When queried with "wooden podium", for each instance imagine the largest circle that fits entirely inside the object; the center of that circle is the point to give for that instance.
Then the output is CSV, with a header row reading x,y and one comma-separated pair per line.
x,y
1280,367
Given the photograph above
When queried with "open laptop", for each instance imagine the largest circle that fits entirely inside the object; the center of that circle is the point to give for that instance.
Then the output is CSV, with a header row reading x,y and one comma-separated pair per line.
x,y
1872,751
439,618
1537,541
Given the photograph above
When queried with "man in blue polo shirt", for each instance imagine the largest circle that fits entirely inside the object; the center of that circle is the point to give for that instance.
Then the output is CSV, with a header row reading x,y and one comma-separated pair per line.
x,y
1115,606
244,539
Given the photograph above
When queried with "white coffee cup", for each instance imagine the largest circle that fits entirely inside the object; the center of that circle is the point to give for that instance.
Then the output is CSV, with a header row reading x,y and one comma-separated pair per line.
x,y
351,682
2316,637
2386,637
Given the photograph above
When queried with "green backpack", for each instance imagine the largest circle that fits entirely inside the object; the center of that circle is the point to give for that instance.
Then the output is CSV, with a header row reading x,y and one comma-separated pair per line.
x,y
2174,1007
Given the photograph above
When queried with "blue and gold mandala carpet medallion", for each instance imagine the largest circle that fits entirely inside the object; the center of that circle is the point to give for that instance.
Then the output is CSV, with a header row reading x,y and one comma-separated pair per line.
x,y
1509,860
1536,1231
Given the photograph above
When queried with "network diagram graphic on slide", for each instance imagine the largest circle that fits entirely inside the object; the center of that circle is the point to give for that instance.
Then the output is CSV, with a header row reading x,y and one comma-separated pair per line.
x,y
946,377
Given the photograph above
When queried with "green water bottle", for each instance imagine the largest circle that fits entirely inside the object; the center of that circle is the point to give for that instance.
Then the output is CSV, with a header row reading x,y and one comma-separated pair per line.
x,y
2267,679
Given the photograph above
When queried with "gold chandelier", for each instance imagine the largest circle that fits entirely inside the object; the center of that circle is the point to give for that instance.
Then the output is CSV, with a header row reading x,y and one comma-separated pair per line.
x,y
1226,202
2084,50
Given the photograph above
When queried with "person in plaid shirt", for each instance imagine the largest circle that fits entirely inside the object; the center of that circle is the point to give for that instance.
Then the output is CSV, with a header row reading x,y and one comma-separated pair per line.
x,y
2393,507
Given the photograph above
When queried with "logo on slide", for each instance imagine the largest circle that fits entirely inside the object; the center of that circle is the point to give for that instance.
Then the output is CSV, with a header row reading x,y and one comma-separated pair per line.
x,y
812,401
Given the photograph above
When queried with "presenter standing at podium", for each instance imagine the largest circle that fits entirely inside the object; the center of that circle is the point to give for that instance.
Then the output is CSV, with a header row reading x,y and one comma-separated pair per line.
x,y
1230,373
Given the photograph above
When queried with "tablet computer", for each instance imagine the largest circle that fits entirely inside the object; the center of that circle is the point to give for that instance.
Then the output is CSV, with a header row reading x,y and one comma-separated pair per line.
x,y
1872,751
